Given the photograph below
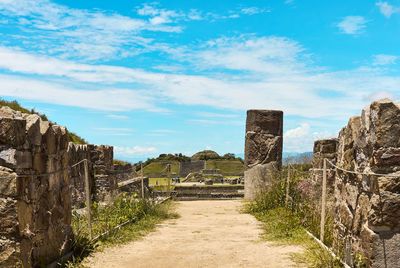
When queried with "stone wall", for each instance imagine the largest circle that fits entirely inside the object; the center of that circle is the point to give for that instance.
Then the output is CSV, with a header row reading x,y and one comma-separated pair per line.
x,y
77,153
35,211
185,168
263,149
324,149
102,180
367,208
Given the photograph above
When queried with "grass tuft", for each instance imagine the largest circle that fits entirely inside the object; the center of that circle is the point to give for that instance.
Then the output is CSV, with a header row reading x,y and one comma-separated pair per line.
x,y
144,213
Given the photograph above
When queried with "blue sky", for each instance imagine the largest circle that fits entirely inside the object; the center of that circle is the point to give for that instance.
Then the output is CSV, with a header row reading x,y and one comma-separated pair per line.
x,y
178,76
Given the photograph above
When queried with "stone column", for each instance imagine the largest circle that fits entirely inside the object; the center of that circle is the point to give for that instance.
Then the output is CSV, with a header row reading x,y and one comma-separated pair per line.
x,y
263,150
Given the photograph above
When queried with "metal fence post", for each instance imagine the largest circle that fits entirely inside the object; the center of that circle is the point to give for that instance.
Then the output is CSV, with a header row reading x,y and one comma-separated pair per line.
x,y
287,185
141,175
169,179
323,203
87,191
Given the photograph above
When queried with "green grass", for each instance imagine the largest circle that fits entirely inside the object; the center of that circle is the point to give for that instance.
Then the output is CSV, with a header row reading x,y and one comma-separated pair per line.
x,y
226,166
160,181
283,227
144,213
158,168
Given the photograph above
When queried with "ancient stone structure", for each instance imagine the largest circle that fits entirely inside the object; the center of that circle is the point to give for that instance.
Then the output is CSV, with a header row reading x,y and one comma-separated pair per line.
x,y
263,149
35,211
185,168
77,153
102,157
367,208
324,149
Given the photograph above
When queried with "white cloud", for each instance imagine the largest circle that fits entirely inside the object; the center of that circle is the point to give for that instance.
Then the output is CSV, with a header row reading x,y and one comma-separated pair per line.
x,y
281,77
253,10
85,34
378,95
352,24
118,117
386,9
383,59
49,92
136,151
301,140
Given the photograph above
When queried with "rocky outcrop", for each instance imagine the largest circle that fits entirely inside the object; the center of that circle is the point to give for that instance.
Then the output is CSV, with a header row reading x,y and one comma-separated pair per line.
x,y
367,207
263,149
35,211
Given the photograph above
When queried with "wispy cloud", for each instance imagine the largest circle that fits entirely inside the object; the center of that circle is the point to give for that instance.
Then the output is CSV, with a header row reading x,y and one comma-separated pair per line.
x,y
85,34
253,10
352,24
301,140
386,9
275,72
383,59
118,117
136,151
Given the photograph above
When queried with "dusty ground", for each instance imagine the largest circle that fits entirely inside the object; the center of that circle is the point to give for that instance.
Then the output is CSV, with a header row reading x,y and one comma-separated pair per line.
x,y
208,234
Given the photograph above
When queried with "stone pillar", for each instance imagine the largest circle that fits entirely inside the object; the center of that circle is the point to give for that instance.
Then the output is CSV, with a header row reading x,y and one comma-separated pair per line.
x,y
263,150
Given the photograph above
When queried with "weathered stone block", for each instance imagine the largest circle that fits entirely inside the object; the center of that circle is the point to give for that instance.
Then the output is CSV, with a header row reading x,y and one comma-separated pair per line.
x,y
24,159
7,157
12,131
8,182
33,129
9,251
8,216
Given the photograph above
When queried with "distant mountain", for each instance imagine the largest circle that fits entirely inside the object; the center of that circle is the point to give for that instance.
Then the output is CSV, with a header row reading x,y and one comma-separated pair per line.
x,y
298,158
285,154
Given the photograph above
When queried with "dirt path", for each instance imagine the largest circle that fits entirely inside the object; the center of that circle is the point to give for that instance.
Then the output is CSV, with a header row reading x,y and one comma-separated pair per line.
x,y
208,234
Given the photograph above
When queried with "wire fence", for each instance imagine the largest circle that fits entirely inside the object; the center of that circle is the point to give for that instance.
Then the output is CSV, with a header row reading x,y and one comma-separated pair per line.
x,y
310,194
88,202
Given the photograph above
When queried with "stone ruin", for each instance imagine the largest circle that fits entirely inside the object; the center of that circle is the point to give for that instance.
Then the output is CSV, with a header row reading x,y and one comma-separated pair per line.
x,y
367,209
35,211
263,150
185,168
76,153
102,181
324,149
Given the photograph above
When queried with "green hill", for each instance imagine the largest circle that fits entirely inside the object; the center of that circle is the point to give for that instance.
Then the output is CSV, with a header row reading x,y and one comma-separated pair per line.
x,y
158,168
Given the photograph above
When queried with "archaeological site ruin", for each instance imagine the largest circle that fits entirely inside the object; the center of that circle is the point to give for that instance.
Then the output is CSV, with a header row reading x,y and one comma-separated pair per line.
x,y
42,179
39,186
263,149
